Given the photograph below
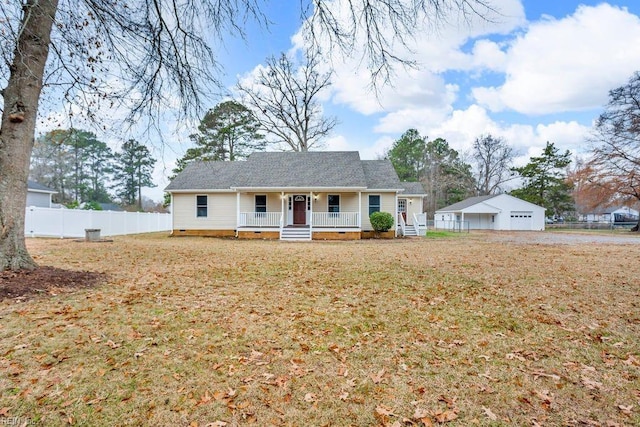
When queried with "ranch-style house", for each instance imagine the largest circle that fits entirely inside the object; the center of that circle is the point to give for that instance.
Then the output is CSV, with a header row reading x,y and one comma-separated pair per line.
x,y
293,196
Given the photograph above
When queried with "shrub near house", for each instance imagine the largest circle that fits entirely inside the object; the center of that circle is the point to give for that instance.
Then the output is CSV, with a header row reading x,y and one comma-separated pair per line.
x,y
381,222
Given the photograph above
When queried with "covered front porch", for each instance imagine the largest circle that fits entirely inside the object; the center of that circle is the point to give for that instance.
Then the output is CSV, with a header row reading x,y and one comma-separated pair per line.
x,y
297,215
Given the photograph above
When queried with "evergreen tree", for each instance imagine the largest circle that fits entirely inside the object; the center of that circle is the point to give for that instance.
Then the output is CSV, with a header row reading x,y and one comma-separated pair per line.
x,y
407,155
229,131
74,163
132,169
545,182
447,177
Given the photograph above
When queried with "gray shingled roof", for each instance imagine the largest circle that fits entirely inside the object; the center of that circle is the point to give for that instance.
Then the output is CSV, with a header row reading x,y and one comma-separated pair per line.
x,y
413,188
330,169
206,176
32,185
380,174
302,170
466,203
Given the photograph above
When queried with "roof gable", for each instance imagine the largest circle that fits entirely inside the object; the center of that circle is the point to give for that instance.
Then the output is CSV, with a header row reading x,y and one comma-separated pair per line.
x,y
467,203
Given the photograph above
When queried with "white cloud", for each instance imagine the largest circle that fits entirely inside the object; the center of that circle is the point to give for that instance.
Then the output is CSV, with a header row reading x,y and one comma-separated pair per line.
x,y
565,135
568,64
488,55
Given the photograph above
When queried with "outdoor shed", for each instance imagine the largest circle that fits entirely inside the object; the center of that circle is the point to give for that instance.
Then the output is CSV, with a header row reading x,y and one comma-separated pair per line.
x,y
38,195
493,212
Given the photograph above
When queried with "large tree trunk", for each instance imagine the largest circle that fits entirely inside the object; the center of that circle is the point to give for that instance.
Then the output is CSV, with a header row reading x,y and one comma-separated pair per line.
x,y
17,128
636,227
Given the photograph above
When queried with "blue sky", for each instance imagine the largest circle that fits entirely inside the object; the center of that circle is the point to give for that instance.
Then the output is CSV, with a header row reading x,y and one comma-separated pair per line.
x,y
541,71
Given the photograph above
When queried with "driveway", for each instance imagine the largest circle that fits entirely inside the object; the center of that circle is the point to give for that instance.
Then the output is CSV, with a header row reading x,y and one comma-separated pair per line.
x,y
564,238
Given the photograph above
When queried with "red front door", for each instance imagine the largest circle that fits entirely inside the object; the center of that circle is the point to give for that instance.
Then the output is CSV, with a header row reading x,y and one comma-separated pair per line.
x,y
299,210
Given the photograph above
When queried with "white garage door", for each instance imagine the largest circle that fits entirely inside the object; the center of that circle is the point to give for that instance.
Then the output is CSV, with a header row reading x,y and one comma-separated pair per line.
x,y
521,220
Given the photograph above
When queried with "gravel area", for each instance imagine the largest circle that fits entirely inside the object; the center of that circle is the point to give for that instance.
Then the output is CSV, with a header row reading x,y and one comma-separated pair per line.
x,y
564,238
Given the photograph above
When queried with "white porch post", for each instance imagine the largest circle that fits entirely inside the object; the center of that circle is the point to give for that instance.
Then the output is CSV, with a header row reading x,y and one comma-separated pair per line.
x,y
237,210
396,216
360,209
283,219
461,220
311,213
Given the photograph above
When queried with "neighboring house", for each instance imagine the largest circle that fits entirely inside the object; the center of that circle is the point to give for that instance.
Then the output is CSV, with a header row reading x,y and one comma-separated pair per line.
x,y
38,195
494,212
611,214
289,196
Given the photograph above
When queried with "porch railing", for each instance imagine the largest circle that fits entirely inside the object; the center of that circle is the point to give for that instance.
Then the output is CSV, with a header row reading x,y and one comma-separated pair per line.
x,y
420,222
335,219
401,223
260,219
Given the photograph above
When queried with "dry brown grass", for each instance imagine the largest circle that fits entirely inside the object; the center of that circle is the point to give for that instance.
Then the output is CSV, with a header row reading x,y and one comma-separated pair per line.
x,y
459,331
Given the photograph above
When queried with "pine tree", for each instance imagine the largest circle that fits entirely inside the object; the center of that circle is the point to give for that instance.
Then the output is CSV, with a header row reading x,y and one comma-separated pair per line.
x,y
132,170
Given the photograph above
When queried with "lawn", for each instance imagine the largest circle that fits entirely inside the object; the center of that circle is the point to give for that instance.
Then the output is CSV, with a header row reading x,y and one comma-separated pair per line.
x,y
451,331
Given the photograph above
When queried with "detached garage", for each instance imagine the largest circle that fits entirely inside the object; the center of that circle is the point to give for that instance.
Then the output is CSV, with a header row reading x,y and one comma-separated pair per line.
x,y
496,212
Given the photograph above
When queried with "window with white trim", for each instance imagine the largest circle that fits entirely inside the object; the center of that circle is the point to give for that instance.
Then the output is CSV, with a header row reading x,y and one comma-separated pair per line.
x,y
333,204
374,203
201,206
261,203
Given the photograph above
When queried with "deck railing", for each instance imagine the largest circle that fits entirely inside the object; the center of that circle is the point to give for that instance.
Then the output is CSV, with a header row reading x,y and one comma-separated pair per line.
x,y
260,219
335,219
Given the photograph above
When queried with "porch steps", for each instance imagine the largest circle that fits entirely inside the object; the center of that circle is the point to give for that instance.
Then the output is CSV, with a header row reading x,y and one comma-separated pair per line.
x,y
410,230
293,234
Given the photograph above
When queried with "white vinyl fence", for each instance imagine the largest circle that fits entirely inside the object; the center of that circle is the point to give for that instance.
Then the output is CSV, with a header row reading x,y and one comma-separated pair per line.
x,y
52,222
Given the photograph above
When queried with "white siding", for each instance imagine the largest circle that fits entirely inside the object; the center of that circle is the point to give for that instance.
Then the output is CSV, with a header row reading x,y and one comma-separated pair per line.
x,y
41,200
348,202
414,206
248,202
387,204
221,212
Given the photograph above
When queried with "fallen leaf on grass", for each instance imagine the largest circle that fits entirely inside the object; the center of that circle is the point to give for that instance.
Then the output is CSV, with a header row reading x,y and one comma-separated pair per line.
x,y
112,344
216,424
489,413
385,411
632,361
310,397
537,374
344,395
206,398
445,416
377,378
591,384
625,409
423,416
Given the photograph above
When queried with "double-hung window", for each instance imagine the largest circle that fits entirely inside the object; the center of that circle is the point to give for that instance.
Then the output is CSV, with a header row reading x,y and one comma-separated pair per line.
x,y
374,203
201,206
333,204
261,205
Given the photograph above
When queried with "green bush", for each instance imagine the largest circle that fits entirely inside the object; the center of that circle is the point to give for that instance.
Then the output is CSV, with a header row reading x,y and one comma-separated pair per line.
x,y
381,221
92,206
